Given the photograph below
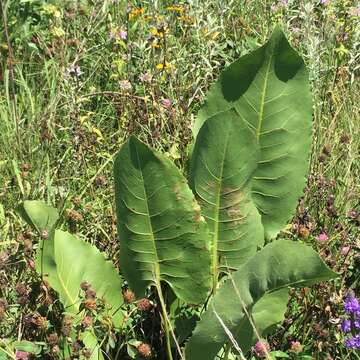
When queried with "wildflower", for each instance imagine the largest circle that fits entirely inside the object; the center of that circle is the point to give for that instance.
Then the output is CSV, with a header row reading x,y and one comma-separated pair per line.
x,y
41,322
134,13
325,2
353,214
123,34
346,326
304,232
53,339
87,321
125,85
352,305
73,215
144,304
84,285
90,293
128,296
147,77
353,342
21,355
21,289
175,8
261,349
73,71
345,250
144,350
296,347
66,325
322,238
115,34
162,66
166,103
90,304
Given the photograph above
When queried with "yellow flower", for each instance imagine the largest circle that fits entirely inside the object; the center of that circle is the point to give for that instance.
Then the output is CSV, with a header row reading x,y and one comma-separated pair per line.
x,y
167,66
134,13
176,8
97,132
50,9
159,32
187,19
58,31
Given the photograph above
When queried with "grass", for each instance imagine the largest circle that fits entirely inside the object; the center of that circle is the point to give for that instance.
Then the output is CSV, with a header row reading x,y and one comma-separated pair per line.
x,y
72,90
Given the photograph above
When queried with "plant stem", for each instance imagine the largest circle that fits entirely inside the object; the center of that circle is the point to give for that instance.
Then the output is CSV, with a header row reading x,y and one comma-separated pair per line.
x,y
165,323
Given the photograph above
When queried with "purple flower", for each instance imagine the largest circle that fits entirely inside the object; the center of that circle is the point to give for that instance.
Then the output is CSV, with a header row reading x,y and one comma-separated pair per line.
x,y
322,238
261,349
345,250
123,34
166,103
353,343
116,35
296,347
325,2
21,355
346,326
352,305
357,324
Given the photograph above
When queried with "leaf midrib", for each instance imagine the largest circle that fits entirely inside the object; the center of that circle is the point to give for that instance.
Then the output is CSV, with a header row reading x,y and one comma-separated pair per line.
x,y
215,254
263,96
156,265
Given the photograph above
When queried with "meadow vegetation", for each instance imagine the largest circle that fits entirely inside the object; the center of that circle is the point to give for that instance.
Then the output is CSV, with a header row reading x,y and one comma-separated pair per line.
x,y
78,78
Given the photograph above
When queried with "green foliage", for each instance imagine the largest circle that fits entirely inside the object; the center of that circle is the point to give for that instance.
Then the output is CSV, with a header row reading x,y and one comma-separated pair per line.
x,y
222,164
67,261
163,236
269,91
280,264
247,138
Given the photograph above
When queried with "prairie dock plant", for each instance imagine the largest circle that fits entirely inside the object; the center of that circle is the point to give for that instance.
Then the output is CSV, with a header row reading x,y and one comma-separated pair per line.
x,y
232,153
176,237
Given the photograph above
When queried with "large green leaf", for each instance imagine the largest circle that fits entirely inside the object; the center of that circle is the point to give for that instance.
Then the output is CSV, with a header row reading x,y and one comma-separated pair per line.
x,y
223,162
67,261
280,264
269,89
163,236
76,261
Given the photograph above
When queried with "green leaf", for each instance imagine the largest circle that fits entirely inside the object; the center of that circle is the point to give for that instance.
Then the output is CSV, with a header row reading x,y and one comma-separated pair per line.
x,y
163,236
76,261
278,265
221,168
27,346
269,90
39,215
266,314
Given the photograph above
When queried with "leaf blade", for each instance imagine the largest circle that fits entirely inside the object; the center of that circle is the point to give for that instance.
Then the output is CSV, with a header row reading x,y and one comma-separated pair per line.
x,y
162,234
267,271
220,179
270,91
